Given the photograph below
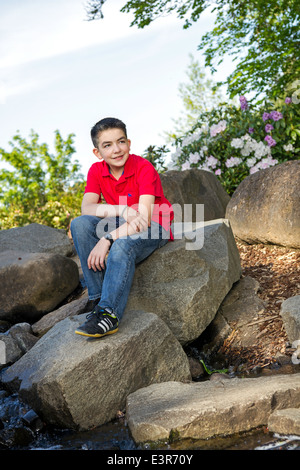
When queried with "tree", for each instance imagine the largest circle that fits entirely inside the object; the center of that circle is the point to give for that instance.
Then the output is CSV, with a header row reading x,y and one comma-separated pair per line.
x,y
36,184
263,35
198,95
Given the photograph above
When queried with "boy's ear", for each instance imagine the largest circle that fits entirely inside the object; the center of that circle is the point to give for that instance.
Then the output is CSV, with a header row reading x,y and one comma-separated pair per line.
x,y
97,153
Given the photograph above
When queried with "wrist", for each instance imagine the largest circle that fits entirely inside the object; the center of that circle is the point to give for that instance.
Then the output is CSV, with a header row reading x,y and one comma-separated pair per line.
x,y
123,210
108,237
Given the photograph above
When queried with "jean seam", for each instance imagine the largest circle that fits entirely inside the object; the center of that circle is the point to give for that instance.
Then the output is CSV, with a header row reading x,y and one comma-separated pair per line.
x,y
117,300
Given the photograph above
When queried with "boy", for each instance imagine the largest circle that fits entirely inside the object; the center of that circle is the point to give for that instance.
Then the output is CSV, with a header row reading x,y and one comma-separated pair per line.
x,y
133,222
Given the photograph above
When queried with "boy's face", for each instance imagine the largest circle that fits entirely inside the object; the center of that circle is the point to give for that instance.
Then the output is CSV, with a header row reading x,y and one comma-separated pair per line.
x,y
113,147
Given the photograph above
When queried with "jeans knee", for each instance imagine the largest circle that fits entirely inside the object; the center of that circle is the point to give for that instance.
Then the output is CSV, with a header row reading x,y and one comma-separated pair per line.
x,y
120,249
80,224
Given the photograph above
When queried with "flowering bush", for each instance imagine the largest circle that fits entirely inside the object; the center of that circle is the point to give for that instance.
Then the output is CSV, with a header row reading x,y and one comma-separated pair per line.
x,y
233,142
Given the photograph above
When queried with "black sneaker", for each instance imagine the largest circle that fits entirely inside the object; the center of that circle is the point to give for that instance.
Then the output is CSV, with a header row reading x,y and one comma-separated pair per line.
x,y
100,322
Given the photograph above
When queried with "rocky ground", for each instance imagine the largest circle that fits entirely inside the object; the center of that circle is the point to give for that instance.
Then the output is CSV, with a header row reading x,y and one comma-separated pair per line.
x,y
277,269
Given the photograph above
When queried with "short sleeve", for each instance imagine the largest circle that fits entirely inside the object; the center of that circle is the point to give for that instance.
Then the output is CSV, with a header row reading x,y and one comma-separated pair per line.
x,y
93,181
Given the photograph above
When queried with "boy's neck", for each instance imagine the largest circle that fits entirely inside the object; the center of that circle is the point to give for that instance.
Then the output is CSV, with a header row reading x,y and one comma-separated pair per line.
x,y
116,172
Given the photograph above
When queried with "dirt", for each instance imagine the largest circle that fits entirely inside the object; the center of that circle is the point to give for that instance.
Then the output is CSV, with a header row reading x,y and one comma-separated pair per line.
x,y
277,270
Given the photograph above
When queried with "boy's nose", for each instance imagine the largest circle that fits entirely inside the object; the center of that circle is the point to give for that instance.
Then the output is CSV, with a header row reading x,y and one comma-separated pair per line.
x,y
116,148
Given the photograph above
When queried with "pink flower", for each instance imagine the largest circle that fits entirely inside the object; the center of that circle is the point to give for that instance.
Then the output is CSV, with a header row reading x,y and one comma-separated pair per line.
x,y
244,103
266,116
270,141
218,172
275,115
288,100
269,127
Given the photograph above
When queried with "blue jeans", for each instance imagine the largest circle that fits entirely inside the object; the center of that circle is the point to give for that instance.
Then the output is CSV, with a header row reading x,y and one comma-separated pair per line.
x,y
112,286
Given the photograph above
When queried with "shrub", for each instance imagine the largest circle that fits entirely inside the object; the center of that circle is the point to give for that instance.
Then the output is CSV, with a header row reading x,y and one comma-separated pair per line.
x,y
233,142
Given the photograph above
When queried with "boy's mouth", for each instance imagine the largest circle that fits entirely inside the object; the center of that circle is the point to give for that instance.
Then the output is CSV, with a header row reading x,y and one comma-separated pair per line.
x,y
118,158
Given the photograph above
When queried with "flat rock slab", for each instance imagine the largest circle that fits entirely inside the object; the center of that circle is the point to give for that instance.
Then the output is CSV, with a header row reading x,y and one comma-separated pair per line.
x,y
202,410
285,421
78,382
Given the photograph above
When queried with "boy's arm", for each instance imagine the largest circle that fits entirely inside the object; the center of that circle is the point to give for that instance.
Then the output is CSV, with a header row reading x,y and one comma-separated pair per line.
x,y
91,206
135,222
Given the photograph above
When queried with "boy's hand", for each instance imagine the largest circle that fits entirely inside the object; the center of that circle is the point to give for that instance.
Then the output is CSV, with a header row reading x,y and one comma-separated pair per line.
x,y
136,220
97,256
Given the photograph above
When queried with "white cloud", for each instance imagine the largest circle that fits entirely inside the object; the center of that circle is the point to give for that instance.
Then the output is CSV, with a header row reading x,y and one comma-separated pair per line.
x,y
34,30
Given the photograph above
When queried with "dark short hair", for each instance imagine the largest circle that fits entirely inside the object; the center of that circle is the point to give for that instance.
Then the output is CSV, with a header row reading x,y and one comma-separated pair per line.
x,y
103,125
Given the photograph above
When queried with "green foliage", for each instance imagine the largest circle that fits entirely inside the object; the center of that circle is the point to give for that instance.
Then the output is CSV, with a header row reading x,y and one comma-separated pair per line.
x,y
262,35
37,186
156,155
234,142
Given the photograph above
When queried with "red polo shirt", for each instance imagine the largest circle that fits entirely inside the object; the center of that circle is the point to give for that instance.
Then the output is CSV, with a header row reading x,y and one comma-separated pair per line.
x,y
139,177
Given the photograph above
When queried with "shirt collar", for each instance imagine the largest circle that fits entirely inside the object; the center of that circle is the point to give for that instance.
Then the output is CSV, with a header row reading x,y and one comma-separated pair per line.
x,y
128,168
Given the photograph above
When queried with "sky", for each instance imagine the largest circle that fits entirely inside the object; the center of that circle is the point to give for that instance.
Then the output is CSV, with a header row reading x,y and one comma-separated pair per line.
x,y
60,71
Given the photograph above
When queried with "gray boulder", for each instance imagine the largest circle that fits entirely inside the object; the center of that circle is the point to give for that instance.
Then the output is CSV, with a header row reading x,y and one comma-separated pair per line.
x,y
34,283
185,282
15,342
36,238
195,187
75,382
290,312
265,208
206,409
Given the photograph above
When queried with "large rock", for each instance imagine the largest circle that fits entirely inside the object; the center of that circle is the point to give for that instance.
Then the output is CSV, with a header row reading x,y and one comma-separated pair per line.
x,y
71,381
285,421
206,409
290,312
185,282
15,342
36,238
195,187
265,208
34,283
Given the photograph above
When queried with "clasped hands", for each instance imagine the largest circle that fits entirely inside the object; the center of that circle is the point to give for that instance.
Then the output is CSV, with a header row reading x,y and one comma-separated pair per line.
x,y
135,223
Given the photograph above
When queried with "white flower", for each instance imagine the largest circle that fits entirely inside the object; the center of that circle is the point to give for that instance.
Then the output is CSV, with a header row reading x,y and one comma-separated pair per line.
x,y
233,161
186,166
194,158
288,148
254,169
262,150
237,143
212,161
189,139
250,162
217,128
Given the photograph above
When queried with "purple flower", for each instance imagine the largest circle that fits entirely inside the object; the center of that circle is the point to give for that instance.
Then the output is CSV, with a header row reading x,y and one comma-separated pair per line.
x,y
275,115
266,116
268,127
244,103
251,130
288,100
270,141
